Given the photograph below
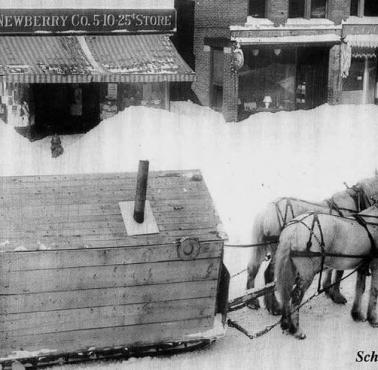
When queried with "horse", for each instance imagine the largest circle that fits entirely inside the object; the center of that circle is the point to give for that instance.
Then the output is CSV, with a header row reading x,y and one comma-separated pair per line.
x,y
269,223
316,240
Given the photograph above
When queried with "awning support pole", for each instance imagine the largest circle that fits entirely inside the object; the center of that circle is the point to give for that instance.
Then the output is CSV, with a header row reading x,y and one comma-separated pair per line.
x,y
365,81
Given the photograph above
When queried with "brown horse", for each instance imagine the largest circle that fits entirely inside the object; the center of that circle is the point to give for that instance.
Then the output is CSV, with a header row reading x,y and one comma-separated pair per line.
x,y
325,241
269,223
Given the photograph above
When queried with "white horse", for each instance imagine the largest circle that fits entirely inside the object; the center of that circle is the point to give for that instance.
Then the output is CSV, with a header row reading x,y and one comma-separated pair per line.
x,y
327,237
269,223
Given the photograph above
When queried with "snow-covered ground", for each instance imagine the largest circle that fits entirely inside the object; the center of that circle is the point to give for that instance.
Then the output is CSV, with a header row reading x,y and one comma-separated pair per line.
x,y
307,154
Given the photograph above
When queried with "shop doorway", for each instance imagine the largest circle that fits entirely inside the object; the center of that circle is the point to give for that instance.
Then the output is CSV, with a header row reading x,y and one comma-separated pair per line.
x,y
312,77
359,87
216,88
65,108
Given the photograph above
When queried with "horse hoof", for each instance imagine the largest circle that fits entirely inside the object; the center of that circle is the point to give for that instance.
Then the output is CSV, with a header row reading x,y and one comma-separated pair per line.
x,y
254,304
338,298
374,324
272,306
275,311
335,295
300,336
357,316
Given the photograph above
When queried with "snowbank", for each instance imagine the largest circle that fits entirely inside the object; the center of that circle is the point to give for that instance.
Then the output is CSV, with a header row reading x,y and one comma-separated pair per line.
x,y
307,154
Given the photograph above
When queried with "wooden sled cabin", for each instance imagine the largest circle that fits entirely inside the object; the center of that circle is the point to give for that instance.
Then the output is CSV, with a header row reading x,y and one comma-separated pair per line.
x,y
77,272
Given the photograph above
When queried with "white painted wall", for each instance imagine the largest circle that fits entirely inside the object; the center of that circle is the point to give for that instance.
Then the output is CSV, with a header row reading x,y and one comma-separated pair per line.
x,y
86,4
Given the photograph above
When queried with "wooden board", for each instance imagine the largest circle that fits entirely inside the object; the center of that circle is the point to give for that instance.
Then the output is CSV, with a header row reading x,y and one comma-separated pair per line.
x,y
98,297
59,259
108,276
99,317
81,211
72,278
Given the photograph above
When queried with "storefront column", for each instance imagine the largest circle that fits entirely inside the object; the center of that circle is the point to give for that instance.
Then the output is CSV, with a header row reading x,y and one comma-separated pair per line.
x,y
365,82
334,75
167,97
230,87
203,70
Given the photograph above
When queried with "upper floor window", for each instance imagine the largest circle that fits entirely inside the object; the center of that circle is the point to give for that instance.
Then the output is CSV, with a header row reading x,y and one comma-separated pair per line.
x,y
307,8
296,9
318,8
364,8
371,8
354,7
257,8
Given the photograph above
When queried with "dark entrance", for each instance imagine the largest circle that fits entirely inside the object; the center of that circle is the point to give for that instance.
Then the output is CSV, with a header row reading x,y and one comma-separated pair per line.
x,y
216,92
312,77
65,108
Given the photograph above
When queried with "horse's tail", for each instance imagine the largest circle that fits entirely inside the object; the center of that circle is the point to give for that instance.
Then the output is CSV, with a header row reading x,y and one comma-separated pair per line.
x,y
285,271
257,254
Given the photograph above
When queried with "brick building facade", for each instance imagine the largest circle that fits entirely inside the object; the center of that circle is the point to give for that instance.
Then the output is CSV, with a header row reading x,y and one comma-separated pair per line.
x,y
271,55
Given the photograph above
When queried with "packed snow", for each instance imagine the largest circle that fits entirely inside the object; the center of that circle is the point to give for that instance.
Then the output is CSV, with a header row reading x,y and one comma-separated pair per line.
x,y
306,154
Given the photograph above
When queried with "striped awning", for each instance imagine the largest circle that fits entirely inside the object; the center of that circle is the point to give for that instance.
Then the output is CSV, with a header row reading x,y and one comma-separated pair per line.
x,y
137,58
84,59
363,46
55,59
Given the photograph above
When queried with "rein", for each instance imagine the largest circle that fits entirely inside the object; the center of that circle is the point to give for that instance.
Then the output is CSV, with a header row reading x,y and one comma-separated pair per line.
x,y
267,329
332,205
282,216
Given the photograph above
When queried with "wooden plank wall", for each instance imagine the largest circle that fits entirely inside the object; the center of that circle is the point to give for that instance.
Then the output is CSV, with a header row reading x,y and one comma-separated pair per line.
x,y
77,280
76,212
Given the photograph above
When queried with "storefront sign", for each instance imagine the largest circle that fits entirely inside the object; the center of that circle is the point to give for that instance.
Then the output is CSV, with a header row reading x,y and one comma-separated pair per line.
x,y
15,21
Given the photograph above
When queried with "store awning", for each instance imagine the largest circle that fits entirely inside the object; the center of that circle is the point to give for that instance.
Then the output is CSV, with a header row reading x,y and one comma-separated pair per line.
x,y
38,59
362,45
362,41
137,58
83,59
299,39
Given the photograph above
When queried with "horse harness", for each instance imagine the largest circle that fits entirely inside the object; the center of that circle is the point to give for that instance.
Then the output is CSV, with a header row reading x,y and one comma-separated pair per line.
x,y
282,217
361,201
323,254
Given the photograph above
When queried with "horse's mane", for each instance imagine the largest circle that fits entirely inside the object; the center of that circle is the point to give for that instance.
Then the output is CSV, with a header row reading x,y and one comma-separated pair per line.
x,y
369,186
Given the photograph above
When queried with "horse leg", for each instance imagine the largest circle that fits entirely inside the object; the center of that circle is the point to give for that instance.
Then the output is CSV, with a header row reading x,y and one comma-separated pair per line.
x,y
360,289
270,299
302,284
327,281
334,291
372,306
257,257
